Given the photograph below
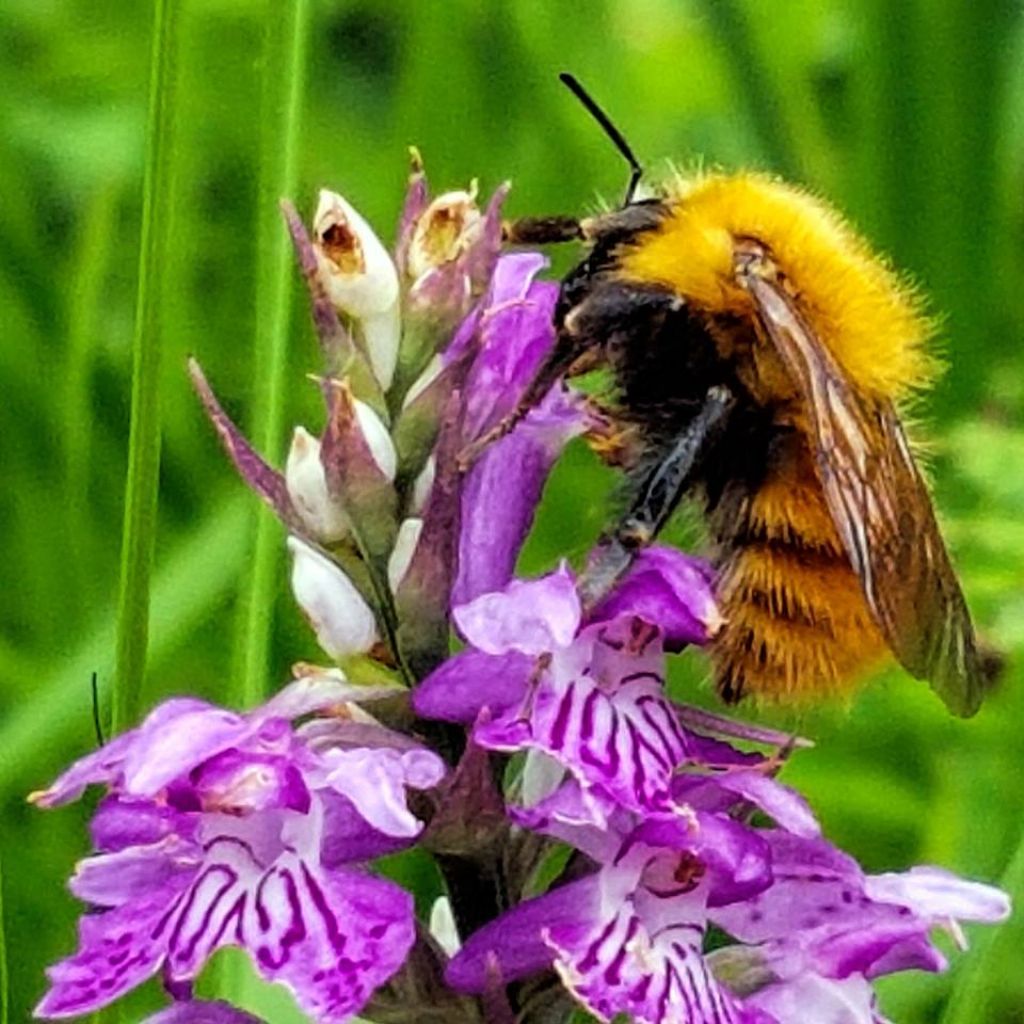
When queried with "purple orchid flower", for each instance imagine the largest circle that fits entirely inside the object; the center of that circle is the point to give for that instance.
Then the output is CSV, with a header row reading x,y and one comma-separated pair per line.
x,y
824,930
229,829
591,696
629,938
254,830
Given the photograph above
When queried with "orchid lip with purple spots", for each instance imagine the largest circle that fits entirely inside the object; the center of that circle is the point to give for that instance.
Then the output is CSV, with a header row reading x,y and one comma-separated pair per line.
x,y
594,701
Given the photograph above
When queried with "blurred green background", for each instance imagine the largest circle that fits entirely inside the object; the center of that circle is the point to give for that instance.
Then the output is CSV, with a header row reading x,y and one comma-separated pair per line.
x,y
909,115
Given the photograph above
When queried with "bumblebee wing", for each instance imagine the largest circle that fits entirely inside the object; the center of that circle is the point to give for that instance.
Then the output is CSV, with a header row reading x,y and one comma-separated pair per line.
x,y
881,508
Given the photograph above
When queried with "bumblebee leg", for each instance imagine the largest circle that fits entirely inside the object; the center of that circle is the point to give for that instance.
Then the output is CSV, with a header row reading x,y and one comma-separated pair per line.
x,y
541,230
657,498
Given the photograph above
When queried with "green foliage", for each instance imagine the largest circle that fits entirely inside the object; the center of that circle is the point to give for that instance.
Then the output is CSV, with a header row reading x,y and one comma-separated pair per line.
x,y
909,116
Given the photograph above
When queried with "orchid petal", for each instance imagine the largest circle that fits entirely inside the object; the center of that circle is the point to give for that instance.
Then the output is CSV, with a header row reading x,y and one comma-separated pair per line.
x,y
515,941
202,1012
117,950
808,997
669,590
600,710
116,879
529,616
935,894
375,780
458,689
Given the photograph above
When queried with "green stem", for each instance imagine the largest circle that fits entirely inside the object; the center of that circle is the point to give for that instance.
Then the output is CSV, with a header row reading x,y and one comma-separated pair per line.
x,y
144,436
284,61
994,956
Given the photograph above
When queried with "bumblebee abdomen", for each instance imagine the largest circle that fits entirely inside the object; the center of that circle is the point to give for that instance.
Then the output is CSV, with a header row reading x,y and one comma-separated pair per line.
x,y
796,625
796,621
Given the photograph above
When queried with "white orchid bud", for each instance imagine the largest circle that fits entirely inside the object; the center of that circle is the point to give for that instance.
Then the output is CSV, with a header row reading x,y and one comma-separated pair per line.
x,y
343,621
405,547
360,278
422,486
307,487
377,438
446,229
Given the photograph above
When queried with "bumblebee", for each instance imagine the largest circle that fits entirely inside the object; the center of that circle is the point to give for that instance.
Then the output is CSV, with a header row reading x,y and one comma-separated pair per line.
x,y
761,354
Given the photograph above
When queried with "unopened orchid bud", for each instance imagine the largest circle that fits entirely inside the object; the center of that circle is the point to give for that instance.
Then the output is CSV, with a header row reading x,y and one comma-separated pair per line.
x,y
307,487
343,621
377,438
360,278
447,228
422,485
405,547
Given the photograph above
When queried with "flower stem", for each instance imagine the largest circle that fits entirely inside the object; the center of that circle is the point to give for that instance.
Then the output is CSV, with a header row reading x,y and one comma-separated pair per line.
x,y
284,60
140,514
994,957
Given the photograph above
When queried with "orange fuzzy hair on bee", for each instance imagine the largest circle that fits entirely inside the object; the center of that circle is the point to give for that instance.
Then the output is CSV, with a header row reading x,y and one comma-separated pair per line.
x,y
797,624
869,319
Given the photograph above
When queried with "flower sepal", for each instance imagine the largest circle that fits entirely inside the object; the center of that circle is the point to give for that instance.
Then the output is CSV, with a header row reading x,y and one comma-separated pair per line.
x,y
423,574
418,423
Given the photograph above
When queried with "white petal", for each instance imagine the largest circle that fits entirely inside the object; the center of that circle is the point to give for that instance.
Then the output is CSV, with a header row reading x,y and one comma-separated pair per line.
x,y
366,282
382,333
422,486
343,621
424,380
378,439
443,927
307,487
542,775
448,226
405,547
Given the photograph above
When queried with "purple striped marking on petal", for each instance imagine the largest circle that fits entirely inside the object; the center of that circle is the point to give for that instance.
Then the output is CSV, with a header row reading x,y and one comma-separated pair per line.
x,y
643,959
613,728
331,936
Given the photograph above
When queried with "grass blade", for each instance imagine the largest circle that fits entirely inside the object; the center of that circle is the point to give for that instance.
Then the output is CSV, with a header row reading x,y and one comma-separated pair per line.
x,y
284,53
4,1005
144,435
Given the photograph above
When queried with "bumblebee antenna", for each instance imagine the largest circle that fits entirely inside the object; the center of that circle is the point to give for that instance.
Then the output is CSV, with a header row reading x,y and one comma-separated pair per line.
x,y
613,133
